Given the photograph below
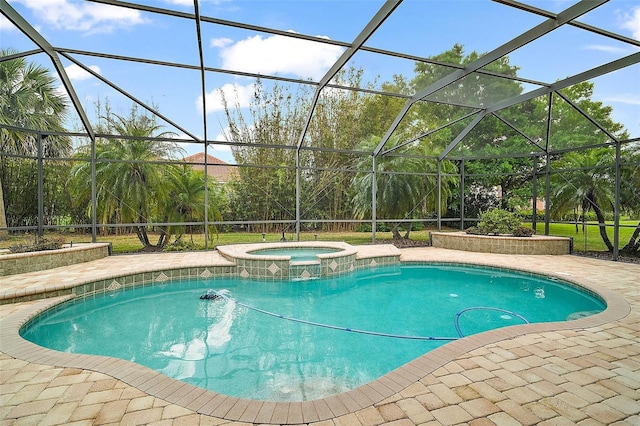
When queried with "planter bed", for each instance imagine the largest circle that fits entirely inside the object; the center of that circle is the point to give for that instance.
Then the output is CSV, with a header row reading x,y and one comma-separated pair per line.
x,y
20,263
504,244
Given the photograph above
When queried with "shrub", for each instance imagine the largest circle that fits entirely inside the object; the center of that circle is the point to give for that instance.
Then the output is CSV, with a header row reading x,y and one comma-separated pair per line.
x,y
474,230
523,231
499,221
527,214
363,227
181,245
40,244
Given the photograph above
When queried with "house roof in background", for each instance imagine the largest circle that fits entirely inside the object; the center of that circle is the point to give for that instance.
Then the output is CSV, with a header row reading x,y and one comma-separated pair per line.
x,y
216,168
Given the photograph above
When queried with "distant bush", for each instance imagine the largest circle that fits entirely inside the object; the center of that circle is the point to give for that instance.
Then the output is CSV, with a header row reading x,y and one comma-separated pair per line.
x,y
363,227
499,221
523,231
527,214
474,230
40,244
181,245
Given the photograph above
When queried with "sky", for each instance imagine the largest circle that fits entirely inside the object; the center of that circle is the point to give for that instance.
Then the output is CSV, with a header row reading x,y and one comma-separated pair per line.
x,y
417,27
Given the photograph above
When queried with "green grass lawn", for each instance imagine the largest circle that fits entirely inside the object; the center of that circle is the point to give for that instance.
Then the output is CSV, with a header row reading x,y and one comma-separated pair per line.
x,y
129,243
588,239
583,240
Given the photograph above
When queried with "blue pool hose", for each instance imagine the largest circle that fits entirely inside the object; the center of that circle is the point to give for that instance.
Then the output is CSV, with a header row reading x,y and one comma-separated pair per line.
x,y
372,333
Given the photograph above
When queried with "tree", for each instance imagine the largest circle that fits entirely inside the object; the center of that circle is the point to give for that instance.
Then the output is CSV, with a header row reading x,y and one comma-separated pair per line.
x,y
588,183
630,193
570,129
340,120
405,184
28,100
264,188
185,201
586,179
129,173
489,138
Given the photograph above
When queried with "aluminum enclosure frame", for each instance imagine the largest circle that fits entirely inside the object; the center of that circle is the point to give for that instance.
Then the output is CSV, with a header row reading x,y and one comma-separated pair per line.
x,y
552,21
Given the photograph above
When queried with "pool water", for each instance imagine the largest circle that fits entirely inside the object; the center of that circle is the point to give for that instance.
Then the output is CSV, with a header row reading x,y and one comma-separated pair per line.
x,y
296,253
296,341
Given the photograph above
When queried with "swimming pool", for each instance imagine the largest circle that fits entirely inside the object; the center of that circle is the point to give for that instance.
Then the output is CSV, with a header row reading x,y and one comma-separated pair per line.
x,y
248,344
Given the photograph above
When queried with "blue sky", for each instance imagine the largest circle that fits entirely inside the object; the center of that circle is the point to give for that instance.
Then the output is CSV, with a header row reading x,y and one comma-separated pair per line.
x,y
417,27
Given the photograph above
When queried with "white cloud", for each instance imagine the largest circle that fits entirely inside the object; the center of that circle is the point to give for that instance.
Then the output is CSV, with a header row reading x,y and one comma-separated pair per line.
x,y
233,93
180,2
220,42
278,54
605,48
190,2
85,17
77,73
6,25
222,137
631,22
622,98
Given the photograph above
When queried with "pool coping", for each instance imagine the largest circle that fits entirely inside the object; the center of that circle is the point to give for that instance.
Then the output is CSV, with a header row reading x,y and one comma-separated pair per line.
x,y
236,409
271,266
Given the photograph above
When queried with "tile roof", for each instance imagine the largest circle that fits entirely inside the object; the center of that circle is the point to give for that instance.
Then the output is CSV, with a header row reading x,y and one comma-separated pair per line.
x,y
216,168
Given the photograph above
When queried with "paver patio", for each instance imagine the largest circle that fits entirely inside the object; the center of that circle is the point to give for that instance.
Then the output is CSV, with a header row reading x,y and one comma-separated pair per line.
x,y
585,372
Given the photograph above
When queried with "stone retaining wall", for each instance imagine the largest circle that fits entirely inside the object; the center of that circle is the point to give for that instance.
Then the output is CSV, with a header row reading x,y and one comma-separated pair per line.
x,y
20,263
536,244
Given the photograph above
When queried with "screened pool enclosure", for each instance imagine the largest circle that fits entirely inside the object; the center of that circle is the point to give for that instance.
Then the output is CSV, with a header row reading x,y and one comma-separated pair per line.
x,y
294,118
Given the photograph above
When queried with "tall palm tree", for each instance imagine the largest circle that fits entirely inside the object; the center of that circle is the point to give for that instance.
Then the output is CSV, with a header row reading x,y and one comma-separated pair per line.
x,y
587,185
186,201
630,193
129,179
29,100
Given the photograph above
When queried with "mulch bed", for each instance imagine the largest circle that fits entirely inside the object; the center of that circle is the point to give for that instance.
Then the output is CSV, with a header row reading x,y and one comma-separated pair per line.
x,y
608,256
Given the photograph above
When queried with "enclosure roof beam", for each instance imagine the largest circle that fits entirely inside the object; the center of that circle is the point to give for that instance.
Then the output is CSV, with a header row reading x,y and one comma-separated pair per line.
x,y
217,70
534,33
429,132
588,117
616,65
385,11
267,30
415,58
462,135
217,21
521,133
40,41
203,85
577,24
20,55
130,96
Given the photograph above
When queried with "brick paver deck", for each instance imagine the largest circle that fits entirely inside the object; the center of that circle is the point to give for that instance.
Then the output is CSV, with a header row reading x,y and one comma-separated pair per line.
x,y
585,372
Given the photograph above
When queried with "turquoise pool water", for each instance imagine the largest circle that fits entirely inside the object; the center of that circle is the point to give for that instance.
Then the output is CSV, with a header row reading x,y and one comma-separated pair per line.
x,y
295,341
296,253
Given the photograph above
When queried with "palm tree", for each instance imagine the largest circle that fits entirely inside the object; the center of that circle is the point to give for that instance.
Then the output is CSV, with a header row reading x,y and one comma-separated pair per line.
x,y
28,100
404,185
587,185
129,173
630,193
186,200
